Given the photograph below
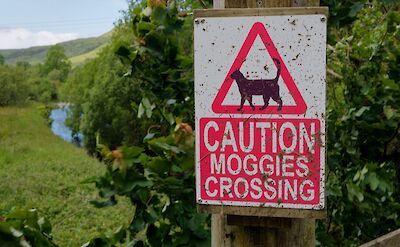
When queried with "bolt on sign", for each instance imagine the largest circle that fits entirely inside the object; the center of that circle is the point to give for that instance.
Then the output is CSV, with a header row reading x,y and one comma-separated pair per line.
x,y
260,109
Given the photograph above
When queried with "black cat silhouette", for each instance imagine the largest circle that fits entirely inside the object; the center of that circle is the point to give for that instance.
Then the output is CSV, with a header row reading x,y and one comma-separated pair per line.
x,y
267,88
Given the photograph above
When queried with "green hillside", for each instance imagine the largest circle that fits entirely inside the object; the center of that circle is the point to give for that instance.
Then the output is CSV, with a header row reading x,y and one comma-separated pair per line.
x,y
72,48
81,58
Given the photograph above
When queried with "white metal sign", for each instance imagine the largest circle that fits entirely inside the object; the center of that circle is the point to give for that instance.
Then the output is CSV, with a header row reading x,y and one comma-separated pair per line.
x,y
260,110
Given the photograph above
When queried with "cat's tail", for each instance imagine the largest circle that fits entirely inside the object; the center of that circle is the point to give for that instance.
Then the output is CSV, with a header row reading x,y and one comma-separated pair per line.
x,y
278,72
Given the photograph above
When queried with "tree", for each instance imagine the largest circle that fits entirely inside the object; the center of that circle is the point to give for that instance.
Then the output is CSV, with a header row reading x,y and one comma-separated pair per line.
x,y
2,60
364,138
56,63
13,87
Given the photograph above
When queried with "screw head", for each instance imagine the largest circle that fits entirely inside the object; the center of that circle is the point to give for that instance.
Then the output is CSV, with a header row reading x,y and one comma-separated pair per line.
x,y
323,19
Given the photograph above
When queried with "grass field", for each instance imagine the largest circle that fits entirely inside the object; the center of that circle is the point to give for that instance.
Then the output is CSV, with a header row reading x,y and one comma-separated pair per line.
x,y
38,169
82,58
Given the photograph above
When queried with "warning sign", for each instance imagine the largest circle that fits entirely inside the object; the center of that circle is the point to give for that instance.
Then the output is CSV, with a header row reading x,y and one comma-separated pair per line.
x,y
260,110
267,88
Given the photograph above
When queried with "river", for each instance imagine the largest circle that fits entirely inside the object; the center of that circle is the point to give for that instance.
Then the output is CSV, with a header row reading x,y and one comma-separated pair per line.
x,y
58,127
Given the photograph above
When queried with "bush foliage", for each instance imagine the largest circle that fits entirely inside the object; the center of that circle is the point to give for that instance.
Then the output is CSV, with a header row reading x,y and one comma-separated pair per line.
x,y
364,134
363,118
13,86
134,105
25,227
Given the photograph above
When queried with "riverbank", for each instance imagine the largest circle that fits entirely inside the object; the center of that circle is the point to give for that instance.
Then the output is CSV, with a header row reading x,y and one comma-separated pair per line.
x,y
58,117
39,169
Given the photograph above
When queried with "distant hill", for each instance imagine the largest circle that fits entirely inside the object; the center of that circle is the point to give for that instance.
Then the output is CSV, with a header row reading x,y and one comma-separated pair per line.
x,y
81,58
78,50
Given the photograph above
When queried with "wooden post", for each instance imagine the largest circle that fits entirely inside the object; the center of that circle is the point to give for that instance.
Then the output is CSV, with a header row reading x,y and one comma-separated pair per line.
x,y
253,231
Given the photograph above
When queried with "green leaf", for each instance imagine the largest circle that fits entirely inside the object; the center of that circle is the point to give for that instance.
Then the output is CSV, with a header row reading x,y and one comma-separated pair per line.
x,y
147,11
361,111
388,111
176,168
159,14
16,233
123,51
355,9
133,55
24,227
129,186
390,84
107,191
354,192
146,107
141,110
172,181
146,102
171,102
373,181
159,165
360,175
156,41
149,136
168,147
144,27
351,150
144,195
44,224
131,152
187,163
169,117
162,144
196,222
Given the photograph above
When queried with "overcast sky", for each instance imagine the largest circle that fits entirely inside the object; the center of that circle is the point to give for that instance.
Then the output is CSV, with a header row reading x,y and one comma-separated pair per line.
x,y
26,23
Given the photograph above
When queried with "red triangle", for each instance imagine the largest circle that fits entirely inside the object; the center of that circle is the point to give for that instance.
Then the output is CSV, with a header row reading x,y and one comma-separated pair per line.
x,y
300,107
